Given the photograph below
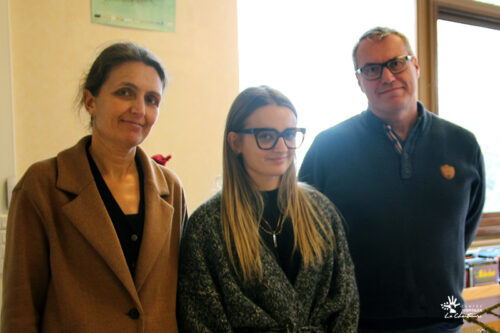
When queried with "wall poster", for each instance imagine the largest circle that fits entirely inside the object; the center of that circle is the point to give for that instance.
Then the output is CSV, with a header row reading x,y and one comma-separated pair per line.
x,y
139,14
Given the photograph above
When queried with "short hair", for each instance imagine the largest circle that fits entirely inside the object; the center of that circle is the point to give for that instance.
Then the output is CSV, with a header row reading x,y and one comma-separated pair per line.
x,y
377,34
113,56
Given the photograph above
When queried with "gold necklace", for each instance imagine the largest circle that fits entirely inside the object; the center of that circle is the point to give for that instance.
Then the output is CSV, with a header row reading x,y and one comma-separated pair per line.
x,y
275,232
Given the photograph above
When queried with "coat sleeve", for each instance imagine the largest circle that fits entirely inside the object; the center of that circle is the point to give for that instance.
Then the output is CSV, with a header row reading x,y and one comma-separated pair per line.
x,y
199,303
343,291
26,266
477,198
185,215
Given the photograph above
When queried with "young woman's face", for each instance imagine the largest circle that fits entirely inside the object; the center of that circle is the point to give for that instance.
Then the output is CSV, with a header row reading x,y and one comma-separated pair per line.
x,y
127,105
265,167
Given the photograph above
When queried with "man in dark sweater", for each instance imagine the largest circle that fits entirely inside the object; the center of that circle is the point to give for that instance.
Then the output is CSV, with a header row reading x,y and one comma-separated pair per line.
x,y
411,188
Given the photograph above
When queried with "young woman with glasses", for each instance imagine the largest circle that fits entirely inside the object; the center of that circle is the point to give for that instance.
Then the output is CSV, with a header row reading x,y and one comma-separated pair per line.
x,y
266,254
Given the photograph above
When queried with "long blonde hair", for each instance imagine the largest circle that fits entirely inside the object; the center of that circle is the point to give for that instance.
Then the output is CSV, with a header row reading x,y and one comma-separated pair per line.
x,y
242,205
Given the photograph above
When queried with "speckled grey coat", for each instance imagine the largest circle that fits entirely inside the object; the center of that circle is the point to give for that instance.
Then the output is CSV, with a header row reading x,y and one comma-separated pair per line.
x,y
212,298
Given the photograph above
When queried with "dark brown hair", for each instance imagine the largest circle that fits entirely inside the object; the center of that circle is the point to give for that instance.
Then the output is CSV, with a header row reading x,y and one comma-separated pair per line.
x,y
113,56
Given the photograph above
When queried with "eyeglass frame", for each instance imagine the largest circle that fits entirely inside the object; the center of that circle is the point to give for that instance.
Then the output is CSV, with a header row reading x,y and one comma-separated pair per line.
x,y
255,131
408,58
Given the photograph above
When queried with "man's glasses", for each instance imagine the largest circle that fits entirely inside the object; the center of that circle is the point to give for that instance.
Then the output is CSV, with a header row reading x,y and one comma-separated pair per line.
x,y
267,138
395,65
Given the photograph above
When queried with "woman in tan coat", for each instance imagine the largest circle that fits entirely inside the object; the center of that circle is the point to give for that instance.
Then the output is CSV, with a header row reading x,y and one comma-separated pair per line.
x,y
93,234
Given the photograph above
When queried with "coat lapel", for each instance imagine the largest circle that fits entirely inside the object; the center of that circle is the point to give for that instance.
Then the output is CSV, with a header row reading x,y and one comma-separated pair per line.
x,y
158,218
96,227
88,214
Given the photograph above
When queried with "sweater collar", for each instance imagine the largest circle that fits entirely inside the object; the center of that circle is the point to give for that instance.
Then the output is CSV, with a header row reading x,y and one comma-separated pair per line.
x,y
423,123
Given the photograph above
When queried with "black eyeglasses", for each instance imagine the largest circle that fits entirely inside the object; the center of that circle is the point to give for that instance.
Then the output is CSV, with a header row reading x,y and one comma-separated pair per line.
x,y
267,138
395,65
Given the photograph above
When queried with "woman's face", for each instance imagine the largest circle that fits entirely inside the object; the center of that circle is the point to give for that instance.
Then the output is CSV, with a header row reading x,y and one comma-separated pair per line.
x,y
265,167
127,105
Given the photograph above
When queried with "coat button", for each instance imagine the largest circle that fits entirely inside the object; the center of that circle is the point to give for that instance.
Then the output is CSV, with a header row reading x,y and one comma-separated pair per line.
x,y
133,313
134,238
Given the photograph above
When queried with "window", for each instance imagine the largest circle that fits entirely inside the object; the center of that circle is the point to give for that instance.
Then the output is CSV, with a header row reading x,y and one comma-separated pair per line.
x,y
493,2
452,33
304,49
468,92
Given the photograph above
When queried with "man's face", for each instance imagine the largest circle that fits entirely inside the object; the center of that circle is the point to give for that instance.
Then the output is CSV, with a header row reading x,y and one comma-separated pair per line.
x,y
391,94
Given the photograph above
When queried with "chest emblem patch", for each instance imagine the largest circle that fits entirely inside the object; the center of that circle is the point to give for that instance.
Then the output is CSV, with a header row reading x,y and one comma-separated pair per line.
x,y
448,171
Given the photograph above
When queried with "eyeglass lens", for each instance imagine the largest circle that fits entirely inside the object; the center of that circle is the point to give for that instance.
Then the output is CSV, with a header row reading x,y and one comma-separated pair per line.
x,y
267,139
374,71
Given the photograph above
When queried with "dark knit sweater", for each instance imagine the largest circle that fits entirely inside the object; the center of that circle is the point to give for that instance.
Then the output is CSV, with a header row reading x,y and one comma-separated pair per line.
x,y
212,298
410,216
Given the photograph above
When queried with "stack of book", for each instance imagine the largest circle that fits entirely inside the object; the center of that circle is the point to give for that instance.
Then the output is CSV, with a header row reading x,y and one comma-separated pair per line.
x,y
482,267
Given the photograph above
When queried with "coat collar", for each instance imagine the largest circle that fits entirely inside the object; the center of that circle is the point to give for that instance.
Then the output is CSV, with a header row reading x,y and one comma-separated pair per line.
x,y
75,174
88,213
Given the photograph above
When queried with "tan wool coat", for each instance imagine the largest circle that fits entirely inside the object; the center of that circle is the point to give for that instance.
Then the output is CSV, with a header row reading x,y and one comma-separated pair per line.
x,y
64,267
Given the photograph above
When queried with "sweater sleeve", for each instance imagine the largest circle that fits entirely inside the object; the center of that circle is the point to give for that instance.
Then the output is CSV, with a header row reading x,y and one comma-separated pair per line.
x,y
476,203
311,170
343,295
199,302
26,266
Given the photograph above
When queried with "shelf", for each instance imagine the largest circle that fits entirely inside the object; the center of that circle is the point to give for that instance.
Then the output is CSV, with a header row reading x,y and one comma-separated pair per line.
x,y
487,291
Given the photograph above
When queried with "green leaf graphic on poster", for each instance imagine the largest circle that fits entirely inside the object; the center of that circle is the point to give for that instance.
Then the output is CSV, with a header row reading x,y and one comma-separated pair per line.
x,y
140,14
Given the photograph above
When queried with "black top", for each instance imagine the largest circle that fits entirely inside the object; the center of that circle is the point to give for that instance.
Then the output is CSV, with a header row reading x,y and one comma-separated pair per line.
x,y
286,257
128,227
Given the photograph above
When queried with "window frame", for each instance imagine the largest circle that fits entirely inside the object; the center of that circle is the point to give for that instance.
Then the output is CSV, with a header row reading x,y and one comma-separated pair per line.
x,y
460,11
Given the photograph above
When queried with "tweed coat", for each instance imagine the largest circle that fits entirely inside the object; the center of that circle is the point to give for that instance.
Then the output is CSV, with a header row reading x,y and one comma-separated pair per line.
x,y
212,298
64,267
